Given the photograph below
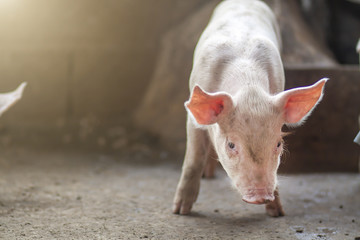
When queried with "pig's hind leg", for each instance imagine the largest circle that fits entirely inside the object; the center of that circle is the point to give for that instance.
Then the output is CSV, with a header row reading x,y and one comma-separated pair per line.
x,y
192,170
274,208
211,162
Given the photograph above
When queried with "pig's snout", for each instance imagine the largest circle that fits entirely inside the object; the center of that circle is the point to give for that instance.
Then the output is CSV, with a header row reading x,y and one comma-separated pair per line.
x,y
258,196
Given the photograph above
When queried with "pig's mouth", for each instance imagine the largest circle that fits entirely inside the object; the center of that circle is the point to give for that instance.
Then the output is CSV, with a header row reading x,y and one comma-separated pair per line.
x,y
258,196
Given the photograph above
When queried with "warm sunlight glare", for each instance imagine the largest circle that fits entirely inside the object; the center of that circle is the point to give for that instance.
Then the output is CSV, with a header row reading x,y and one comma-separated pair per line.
x,y
7,3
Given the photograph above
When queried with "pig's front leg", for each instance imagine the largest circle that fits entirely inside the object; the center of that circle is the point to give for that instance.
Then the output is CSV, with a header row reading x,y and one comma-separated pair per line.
x,y
274,208
192,170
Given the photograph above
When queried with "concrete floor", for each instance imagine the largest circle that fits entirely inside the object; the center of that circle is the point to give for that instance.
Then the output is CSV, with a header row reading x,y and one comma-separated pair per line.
x,y
77,195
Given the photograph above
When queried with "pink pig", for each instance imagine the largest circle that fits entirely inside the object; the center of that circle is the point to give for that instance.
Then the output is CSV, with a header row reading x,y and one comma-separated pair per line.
x,y
237,106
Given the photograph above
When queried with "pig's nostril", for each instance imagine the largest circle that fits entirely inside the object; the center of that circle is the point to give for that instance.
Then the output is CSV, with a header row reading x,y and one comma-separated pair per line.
x,y
253,201
256,200
267,201
258,196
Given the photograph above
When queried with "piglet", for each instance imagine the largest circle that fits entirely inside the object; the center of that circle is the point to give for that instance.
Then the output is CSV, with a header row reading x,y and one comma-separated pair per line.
x,y
10,98
238,105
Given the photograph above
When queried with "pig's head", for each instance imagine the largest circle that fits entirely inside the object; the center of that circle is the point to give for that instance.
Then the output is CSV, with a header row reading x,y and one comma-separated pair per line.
x,y
246,132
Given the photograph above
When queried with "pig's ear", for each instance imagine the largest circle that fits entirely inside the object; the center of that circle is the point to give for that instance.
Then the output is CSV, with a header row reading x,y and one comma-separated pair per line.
x,y
10,98
296,104
207,108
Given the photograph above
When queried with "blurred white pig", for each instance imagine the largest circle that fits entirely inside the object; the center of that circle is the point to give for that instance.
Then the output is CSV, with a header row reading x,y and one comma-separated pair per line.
x,y
237,105
10,98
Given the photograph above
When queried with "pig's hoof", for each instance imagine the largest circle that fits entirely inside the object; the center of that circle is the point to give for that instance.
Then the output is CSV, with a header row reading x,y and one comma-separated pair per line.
x,y
181,208
274,210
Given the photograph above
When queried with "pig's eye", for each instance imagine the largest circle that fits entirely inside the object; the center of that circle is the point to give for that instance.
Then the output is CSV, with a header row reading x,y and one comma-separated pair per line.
x,y
279,144
231,145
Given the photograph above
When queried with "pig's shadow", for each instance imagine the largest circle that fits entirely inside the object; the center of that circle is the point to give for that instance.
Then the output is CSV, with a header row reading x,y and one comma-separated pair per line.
x,y
222,219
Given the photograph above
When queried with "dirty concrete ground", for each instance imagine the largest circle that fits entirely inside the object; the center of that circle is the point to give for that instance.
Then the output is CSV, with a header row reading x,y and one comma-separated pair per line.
x,y
86,195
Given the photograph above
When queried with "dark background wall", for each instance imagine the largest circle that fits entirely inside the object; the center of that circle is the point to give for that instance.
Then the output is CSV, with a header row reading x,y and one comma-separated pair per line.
x,y
83,57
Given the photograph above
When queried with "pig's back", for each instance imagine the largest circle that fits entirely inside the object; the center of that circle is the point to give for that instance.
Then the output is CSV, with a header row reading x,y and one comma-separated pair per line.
x,y
236,30
249,17
242,20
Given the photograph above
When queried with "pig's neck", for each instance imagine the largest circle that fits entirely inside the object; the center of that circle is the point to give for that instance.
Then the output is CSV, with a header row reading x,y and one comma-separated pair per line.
x,y
240,75
232,74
